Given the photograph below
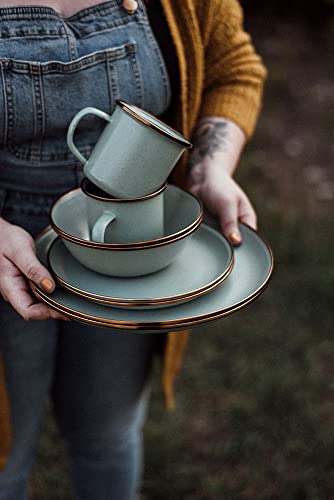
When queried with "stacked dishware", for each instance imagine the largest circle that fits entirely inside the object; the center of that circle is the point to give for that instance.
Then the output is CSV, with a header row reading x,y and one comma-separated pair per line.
x,y
126,246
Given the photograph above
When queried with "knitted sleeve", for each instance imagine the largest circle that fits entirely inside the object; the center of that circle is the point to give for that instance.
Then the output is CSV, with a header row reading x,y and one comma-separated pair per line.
x,y
234,73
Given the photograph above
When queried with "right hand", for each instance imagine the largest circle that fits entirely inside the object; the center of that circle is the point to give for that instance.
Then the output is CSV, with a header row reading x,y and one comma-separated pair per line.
x,y
18,263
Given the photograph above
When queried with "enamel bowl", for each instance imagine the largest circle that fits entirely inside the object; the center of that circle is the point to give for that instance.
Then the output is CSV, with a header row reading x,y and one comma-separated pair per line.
x,y
183,214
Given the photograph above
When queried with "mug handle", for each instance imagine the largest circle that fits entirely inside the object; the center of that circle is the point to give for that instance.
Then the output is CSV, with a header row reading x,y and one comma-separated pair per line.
x,y
101,225
75,122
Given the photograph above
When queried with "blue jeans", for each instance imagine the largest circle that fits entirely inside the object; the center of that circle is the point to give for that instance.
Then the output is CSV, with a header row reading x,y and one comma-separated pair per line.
x,y
99,381
100,384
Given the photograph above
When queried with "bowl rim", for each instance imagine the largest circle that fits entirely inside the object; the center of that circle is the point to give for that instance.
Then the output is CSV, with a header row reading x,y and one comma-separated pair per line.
x,y
137,245
85,181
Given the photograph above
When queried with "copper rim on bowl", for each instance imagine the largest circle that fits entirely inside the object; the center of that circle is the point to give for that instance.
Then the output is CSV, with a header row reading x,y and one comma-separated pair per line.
x,y
138,245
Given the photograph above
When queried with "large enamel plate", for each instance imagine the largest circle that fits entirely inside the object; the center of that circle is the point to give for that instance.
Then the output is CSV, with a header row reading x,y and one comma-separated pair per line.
x,y
202,265
253,265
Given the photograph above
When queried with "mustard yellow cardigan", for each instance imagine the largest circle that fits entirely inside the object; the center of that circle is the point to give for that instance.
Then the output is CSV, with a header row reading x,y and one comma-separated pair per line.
x,y
220,75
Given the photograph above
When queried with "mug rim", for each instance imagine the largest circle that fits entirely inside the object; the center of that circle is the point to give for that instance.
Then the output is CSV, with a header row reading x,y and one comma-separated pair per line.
x,y
131,110
137,245
85,181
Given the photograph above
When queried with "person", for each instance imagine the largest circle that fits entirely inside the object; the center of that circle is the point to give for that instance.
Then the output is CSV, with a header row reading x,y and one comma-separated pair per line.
x,y
187,61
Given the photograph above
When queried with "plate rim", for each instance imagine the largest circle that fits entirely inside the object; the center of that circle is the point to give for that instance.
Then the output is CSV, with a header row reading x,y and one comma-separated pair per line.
x,y
162,325
130,302
132,246
132,326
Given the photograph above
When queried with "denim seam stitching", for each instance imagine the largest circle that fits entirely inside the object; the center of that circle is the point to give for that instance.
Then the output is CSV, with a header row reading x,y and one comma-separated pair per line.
x,y
139,80
31,35
5,106
23,151
25,12
72,53
111,83
10,105
83,62
35,115
35,153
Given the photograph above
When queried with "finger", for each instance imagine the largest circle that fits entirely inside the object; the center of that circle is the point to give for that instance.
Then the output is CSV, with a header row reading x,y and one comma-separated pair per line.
x,y
15,288
24,258
39,312
247,213
228,217
54,314
26,306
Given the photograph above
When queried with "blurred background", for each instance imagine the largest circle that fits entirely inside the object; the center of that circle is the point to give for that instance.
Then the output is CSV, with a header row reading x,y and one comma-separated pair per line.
x,y
255,400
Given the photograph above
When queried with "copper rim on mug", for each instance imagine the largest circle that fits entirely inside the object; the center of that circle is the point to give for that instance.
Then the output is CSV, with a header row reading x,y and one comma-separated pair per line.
x,y
132,110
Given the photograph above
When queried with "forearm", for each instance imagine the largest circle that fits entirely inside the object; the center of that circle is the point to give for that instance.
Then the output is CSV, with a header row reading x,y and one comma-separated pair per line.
x,y
218,144
219,140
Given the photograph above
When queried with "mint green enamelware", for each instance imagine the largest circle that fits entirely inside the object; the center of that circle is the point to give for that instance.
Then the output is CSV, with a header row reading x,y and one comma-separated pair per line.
x,y
119,220
253,266
135,153
209,253
183,214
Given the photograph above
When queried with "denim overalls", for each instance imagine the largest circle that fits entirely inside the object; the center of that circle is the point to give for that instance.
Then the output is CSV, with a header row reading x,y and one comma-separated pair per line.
x,y
50,68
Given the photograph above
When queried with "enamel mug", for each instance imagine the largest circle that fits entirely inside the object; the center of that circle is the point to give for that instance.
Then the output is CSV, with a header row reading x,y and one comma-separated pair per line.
x,y
120,220
135,153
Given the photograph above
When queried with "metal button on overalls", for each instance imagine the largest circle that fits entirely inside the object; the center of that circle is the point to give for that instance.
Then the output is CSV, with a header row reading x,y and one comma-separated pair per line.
x,y
130,6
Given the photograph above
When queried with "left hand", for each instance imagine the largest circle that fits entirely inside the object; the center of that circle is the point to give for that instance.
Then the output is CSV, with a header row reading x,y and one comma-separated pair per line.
x,y
222,196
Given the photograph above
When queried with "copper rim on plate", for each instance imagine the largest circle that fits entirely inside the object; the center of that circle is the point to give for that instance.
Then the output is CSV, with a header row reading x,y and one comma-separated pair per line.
x,y
117,301
167,325
160,325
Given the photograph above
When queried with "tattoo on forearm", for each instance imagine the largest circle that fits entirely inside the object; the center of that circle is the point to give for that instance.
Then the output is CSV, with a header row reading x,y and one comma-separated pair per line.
x,y
210,136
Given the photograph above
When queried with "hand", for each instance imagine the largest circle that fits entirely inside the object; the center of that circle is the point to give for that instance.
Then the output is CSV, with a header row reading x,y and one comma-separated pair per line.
x,y
222,196
18,263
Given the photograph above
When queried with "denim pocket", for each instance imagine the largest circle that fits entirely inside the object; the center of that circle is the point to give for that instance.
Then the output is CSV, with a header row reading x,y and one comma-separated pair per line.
x,y
40,99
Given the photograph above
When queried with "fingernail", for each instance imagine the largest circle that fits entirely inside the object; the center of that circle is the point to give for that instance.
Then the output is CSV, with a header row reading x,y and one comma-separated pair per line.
x,y
235,238
47,285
